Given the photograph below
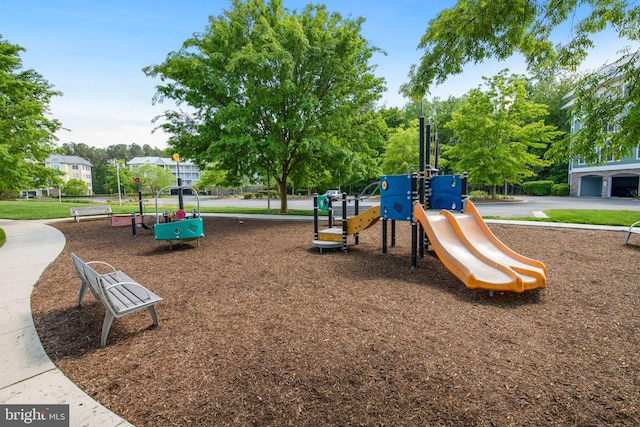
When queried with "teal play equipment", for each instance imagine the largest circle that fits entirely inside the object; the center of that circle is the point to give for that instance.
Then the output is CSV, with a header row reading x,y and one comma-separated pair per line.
x,y
178,225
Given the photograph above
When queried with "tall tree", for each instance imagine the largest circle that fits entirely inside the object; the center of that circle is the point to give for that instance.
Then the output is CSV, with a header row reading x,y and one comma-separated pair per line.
x,y
496,131
119,173
211,177
270,91
26,134
402,150
118,151
474,30
153,178
549,86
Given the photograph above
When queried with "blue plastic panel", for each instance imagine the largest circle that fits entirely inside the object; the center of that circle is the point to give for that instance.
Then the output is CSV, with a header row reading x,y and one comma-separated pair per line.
x,y
395,197
446,192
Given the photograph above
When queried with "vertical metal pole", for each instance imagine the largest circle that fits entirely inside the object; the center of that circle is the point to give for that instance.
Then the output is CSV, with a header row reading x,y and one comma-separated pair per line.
x,y
180,198
356,206
133,223
384,235
393,233
427,146
315,216
330,211
344,222
422,155
118,176
426,184
424,163
414,224
140,200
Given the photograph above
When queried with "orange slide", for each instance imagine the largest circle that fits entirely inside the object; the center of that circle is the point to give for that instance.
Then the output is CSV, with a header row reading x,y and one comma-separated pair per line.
x,y
467,247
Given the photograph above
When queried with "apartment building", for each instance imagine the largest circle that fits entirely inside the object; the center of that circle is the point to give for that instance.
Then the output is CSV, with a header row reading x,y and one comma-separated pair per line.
x,y
189,172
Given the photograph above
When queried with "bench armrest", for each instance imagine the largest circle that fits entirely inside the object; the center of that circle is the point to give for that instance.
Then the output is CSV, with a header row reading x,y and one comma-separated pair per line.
x,y
103,263
633,225
112,285
626,240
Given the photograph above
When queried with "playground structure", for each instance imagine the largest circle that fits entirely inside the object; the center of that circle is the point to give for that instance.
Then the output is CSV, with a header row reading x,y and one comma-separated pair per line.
x,y
178,225
443,219
336,237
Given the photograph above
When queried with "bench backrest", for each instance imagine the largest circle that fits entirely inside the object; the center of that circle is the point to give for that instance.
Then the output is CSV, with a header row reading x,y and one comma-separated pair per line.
x,y
92,279
78,265
91,210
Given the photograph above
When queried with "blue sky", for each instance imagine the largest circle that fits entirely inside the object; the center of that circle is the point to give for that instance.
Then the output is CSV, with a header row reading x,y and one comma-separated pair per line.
x,y
94,51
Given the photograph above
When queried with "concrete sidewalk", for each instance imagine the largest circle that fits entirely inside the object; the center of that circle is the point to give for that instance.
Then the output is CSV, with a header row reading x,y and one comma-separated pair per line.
x,y
27,375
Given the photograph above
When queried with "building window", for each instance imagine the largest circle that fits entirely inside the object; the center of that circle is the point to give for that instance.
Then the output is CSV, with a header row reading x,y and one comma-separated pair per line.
x,y
74,167
54,165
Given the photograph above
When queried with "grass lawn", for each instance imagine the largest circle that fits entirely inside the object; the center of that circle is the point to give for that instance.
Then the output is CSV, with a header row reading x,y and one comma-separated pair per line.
x,y
51,209
45,209
583,216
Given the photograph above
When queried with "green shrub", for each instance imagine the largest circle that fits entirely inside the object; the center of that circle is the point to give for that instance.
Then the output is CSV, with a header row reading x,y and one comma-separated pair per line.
x,y
478,195
560,189
537,188
248,195
273,193
9,194
75,187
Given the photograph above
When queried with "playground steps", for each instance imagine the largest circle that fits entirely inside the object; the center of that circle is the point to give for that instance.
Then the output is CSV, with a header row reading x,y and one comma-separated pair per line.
x,y
326,244
333,234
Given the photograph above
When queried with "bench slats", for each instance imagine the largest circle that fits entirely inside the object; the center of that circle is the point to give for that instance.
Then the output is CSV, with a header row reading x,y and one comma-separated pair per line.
x,y
118,292
126,297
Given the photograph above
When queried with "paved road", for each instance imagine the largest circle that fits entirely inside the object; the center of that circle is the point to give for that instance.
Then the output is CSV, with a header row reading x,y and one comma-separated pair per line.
x,y
523,207
528,204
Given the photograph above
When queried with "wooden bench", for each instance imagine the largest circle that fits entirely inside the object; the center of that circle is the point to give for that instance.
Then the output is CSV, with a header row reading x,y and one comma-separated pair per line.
x,y
119,293
632,230
76,213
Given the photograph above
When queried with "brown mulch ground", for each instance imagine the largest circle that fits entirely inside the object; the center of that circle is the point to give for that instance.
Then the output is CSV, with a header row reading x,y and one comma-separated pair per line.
x,y
258,328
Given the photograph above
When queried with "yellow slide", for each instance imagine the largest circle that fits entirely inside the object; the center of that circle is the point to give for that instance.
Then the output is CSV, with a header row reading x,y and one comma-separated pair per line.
x,y
467,247
366,219
355,224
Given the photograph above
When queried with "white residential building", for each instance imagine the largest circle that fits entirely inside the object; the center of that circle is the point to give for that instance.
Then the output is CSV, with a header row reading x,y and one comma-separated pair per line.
x,y
71,167
189,172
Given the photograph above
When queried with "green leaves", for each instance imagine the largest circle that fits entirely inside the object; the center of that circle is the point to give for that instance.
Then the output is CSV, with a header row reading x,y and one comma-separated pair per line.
x,y
608,106
268,91
475,30
26,133
152,178
496,132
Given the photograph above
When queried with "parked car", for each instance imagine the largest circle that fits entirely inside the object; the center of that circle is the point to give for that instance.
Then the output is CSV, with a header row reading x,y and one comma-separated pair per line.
x,y
333,195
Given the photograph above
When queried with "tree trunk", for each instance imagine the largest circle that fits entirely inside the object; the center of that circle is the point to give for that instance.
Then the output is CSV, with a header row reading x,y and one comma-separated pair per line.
x,y
494,194
282,187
